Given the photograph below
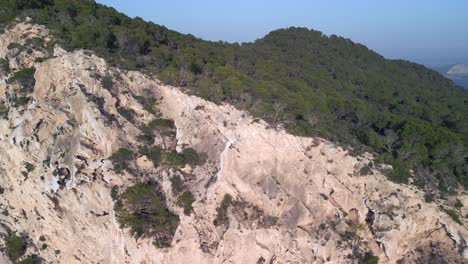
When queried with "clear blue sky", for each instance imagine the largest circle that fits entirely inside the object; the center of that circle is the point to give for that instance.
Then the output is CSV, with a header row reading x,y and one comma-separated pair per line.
x,y
432,32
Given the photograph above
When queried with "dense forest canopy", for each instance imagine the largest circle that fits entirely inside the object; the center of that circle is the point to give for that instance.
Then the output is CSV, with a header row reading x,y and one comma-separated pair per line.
x,y
412,117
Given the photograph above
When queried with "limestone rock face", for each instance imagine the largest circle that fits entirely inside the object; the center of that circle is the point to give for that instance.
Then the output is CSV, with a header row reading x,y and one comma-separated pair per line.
x,y
293,199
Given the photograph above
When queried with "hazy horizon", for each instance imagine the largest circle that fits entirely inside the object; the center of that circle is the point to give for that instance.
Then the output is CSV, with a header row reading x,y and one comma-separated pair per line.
x,y
431,32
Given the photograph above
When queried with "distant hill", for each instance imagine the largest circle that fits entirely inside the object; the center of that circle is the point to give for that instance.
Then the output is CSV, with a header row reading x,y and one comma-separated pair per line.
x,y
443,68
456,72
459,69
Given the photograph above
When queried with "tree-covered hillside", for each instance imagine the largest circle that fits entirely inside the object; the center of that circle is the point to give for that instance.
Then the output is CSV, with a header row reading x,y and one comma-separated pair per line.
x,y
312,84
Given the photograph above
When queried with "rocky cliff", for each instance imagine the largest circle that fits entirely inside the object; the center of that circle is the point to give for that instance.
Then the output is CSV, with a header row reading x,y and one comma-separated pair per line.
x,y
257,194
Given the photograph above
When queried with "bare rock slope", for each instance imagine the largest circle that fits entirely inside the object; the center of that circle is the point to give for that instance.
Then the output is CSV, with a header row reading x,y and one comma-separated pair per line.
x,y
262,196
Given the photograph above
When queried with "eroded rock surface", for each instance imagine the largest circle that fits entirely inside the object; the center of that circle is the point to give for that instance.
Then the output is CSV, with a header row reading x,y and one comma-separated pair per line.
x,y
262,196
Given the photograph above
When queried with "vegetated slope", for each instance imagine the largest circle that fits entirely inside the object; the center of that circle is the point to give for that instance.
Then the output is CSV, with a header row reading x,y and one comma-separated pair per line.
x,y
312,84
